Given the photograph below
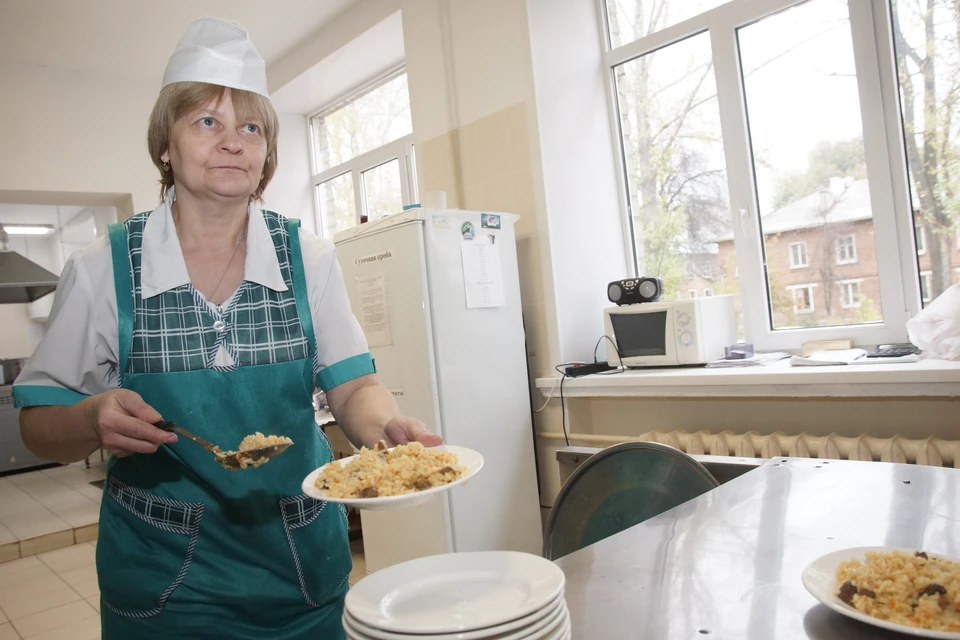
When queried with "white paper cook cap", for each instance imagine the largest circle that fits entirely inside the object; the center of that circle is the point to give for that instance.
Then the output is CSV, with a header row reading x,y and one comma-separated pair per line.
x,y
217,52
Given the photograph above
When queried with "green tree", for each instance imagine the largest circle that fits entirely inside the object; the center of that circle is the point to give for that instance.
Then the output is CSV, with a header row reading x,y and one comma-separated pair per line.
x,y
828,159
927,44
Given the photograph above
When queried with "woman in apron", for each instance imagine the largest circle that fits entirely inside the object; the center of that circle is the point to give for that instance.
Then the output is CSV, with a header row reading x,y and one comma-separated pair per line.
x,y
145,325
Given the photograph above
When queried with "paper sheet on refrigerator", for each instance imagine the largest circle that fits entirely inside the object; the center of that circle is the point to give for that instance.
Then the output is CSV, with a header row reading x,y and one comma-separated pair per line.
x,y
482,277
374,309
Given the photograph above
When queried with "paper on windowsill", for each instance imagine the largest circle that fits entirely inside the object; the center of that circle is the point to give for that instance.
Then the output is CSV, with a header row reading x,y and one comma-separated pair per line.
x,y
829,358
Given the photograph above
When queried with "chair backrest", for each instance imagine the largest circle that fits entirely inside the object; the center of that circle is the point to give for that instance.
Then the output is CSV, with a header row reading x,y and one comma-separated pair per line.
x,y
620,487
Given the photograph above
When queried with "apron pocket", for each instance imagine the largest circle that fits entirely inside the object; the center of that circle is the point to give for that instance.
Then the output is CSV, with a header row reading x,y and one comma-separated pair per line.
x,y
317,534
145,548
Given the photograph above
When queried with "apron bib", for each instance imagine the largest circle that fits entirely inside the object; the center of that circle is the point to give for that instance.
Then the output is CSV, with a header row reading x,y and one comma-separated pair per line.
x,y
187,547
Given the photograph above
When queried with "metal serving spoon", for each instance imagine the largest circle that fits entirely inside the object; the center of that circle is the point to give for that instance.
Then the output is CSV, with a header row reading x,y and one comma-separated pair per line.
x,y
229,459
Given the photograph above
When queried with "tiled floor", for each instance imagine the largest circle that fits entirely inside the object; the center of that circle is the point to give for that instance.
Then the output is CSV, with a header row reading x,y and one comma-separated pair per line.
x,y
45,510
51,596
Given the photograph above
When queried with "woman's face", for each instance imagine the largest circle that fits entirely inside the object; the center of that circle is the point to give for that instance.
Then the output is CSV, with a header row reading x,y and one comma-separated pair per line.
x,y
215,155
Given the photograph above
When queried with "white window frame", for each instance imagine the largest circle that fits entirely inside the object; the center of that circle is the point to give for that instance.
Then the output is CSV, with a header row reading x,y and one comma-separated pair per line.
x,y
707,293
926,276
921,236
841,245
793,288
706,270
883,148
400,149
802,245
854,303
692,293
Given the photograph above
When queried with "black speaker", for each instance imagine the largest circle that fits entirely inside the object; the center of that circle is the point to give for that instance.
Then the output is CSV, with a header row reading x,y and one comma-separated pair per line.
x,y
635,290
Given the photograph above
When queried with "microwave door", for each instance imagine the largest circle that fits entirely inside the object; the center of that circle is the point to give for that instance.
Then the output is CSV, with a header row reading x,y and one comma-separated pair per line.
x,y
644,338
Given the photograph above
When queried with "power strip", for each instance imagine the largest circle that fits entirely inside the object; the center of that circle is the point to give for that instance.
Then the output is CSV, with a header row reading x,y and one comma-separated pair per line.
x,y
577,370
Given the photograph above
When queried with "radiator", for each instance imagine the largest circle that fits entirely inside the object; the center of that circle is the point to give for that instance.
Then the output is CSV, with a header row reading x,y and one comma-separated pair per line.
x,y
928,451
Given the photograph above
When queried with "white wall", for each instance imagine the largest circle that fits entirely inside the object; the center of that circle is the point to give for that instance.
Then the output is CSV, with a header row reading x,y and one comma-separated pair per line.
x,y
83,133
579,174
290,192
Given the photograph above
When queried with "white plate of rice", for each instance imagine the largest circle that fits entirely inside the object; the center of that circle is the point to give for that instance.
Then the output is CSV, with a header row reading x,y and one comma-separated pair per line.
x,y
890,587
402,476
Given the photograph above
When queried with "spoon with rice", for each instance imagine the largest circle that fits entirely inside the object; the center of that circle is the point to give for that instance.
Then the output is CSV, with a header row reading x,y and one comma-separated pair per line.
x,y
254,450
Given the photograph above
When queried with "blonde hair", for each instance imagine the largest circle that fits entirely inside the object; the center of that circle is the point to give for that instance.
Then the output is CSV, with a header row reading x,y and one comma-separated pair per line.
x,y
181,98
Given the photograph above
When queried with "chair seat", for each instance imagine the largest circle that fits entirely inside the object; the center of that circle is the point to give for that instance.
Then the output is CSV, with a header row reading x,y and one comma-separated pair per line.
x,y
618,488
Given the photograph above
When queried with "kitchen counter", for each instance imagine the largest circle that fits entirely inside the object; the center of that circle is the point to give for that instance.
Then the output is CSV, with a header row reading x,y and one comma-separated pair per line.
x,y
728,563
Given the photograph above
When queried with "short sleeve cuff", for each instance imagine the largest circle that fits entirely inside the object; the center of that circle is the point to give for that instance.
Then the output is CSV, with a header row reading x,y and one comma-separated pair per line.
x,y
345,371
28,395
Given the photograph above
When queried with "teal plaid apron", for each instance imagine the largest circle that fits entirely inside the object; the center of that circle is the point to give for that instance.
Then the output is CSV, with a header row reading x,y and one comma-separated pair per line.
x,y
187,548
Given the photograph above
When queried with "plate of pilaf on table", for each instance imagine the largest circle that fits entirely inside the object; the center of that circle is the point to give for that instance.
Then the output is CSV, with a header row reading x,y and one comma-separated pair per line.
x,y
391,478
912,591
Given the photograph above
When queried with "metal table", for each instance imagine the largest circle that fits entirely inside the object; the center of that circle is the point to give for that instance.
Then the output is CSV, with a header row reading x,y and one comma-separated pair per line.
x,y
728,564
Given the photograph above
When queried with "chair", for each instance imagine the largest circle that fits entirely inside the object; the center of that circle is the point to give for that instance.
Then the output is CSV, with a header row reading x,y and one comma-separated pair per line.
x,y
618,488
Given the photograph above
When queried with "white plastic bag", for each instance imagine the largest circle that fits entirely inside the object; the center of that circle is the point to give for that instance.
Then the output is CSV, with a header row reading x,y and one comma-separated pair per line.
x,y
936,329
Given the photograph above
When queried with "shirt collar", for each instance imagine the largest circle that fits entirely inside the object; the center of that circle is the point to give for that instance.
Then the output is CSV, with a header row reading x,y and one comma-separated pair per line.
x,y
163,268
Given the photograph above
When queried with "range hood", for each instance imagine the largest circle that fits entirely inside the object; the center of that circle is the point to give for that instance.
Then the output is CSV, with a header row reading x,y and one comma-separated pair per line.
x,y
23,281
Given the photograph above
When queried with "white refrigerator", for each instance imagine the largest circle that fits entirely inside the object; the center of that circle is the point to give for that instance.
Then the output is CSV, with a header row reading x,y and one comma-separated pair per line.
x,y
438,297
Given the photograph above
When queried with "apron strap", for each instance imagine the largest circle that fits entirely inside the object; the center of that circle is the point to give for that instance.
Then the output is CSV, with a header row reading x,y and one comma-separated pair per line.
x,y
300,283
122,283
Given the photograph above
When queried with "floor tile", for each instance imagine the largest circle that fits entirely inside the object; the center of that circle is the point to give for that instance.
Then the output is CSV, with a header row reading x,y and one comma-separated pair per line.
x,y
88,629
9,552
94,602
91,492
83,580
10,569
56,618
81,515
14,500
31,524
21,579
69,558
64,498
36,596
48,542
3,618
6,536
7,632
86,534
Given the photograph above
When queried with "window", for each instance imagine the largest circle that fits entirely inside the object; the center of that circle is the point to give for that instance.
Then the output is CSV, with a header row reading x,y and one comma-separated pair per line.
x,y
802,296
707,293
362,151
758,129
850,294
926,48
921,240
926,285
847,250
706,270
692,293
798,255
691,272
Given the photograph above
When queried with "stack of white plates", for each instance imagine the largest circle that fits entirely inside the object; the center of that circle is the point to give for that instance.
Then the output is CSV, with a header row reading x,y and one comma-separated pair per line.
x,y
496,595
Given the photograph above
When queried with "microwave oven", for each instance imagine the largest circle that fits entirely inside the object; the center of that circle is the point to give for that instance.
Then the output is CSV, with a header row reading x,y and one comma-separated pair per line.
x,y
670,333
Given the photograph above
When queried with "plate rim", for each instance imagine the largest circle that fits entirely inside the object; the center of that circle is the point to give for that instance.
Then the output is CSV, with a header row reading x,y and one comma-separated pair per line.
x,y
445,559
309,488
557,612
833,602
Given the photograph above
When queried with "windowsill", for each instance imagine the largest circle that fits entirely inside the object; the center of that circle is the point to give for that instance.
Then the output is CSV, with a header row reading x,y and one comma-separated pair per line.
x,y
928,378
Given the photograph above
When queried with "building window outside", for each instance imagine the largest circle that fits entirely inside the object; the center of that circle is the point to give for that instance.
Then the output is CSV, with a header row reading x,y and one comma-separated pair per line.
x,y
802,296
707,293
921,240
362,153
798,255
850,294
847,250
926,285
